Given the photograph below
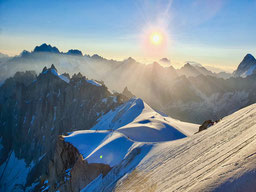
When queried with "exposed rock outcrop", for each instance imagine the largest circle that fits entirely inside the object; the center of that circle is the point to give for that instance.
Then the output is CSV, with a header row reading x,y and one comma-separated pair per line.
x,y
206,124
126,92
68,171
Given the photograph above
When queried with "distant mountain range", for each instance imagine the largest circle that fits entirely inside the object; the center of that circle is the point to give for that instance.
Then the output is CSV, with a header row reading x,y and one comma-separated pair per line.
x,y
61,132
192,93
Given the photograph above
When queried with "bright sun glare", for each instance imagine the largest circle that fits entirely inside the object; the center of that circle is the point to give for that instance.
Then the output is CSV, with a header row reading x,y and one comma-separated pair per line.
x,y
156,38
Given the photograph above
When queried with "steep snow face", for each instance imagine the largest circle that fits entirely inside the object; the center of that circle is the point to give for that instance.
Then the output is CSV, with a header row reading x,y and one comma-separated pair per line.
x,y
132,125
221,158
13,174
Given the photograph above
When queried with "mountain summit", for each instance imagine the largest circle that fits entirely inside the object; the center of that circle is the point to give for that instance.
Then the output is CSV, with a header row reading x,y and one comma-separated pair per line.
x,y
246,67
46,48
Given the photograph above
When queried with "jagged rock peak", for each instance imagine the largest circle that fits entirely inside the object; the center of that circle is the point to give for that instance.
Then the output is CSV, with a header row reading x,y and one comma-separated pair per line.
x,y
75,52
44,69
53,67
46,48
77,76
126,92
248,60
130,60
96,56
249,56
247,66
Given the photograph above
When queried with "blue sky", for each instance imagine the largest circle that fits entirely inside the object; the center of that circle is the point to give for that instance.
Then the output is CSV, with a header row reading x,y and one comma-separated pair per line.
x,y
212,32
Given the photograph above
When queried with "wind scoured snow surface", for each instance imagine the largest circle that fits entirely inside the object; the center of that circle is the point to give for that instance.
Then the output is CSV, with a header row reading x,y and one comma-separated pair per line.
x,y
122,137
221,158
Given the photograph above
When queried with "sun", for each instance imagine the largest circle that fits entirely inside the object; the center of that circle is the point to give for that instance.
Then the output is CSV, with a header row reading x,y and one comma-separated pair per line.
x,y
156,38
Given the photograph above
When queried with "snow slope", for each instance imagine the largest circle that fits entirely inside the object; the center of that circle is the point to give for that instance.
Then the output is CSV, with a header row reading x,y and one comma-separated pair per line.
x,y
221,158
132,125
13,174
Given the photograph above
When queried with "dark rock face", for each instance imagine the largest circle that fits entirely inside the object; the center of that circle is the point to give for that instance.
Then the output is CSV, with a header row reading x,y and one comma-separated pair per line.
x,y
46,48
127,93
68,171
34,110
75,52
247,64
206,125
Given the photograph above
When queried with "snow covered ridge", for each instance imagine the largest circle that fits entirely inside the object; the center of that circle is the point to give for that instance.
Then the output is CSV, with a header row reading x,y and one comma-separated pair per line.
x,y
133,125
221,158
54,71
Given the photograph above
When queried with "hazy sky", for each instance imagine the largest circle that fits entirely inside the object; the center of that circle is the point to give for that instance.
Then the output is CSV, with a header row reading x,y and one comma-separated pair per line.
x,y
211,32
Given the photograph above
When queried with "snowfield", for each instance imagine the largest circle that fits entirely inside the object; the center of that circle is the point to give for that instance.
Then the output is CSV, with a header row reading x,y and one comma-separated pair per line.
x,y
119,133
150,152
131,125
222,158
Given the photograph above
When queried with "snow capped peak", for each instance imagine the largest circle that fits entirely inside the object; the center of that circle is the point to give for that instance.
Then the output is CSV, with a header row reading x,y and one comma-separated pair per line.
x,y
246,67
52,70
53,67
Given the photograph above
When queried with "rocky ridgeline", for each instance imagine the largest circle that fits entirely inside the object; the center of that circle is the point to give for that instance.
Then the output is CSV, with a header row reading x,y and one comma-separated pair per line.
x,y
34,110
